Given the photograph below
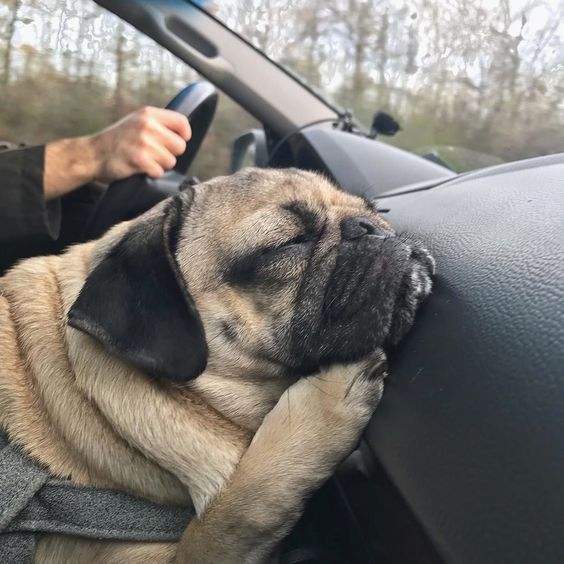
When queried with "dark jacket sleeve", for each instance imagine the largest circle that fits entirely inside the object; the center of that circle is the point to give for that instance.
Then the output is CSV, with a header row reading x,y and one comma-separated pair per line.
x,y
24,213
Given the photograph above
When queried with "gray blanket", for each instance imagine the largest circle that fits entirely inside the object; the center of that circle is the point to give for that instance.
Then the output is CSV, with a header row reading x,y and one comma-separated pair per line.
x,y
33,503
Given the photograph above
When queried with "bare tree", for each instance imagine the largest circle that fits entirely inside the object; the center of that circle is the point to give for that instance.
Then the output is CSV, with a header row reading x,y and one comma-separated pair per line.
x,y
14,6
471,73
120,60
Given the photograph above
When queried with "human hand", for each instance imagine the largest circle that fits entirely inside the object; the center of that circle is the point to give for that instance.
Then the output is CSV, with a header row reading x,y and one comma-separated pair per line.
x,y
146,141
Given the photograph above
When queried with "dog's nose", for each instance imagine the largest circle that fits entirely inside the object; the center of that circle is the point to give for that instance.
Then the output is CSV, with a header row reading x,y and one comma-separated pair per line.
x,y
359,226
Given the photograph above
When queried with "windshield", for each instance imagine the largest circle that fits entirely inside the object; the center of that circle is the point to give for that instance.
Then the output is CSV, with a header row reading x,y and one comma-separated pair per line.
x,y
471,82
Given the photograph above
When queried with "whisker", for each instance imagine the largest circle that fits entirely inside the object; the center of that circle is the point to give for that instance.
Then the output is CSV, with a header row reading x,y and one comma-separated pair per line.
x,y
289,412
349,387
215,337
325,379
322,390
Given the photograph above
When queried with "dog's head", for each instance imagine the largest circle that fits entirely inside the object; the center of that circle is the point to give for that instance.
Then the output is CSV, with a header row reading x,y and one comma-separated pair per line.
x,y
267,271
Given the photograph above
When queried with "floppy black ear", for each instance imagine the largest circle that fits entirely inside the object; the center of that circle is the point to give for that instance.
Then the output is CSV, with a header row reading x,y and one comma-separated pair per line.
x,y
135,301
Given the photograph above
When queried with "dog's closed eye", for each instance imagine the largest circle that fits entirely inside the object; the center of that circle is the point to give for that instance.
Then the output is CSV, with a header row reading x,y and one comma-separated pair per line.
x,y
260,265
302,239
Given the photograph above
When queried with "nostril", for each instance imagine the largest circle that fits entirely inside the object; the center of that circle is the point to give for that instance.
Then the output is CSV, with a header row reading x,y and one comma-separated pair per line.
x,y
356,227
370,229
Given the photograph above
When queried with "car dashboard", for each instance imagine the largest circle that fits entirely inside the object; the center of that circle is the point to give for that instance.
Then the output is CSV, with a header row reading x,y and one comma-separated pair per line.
x,y
463,461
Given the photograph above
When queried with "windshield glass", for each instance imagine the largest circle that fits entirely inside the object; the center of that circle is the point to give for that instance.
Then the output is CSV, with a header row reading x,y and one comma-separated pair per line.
x,y
471,82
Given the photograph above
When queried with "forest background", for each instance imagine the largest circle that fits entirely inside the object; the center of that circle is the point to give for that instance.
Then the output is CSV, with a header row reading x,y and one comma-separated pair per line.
x,y
484,75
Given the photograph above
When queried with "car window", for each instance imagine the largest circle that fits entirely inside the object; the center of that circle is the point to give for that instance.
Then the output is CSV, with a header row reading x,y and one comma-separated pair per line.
x,y
472,82
70,68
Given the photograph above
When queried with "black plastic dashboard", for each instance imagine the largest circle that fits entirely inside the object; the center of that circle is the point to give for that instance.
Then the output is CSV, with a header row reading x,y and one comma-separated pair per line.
x,y
470,427
364,166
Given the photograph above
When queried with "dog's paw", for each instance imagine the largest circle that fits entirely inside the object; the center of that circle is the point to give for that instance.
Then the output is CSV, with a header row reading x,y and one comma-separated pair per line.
x,y
321,417
356,388
374,366
334,406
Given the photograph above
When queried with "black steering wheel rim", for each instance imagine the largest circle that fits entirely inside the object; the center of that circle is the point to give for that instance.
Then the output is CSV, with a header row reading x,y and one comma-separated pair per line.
x,y
127,198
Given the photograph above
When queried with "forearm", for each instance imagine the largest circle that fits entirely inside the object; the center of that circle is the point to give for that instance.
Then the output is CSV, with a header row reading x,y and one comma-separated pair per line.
x,y
69,163
147,141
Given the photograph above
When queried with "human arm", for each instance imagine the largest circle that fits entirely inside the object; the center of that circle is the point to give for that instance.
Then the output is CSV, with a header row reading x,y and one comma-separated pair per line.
x,y
33,178
146,141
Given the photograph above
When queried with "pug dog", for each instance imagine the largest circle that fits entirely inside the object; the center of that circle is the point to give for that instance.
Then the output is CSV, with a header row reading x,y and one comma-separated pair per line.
x,y
223,351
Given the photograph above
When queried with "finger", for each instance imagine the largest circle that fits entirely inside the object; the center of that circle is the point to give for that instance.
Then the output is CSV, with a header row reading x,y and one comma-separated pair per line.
x,y
159,154
173,121
170,140
149,167
153,169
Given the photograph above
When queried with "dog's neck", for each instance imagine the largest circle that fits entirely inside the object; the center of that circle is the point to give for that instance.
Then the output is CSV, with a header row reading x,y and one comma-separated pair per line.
x,y
244,401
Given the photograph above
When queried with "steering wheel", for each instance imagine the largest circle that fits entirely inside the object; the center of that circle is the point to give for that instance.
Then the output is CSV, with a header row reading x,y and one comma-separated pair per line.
x,y
129,197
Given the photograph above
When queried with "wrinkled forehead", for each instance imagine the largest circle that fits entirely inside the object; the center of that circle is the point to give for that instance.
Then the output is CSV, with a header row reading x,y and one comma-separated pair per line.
x,y
255,208
250,190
